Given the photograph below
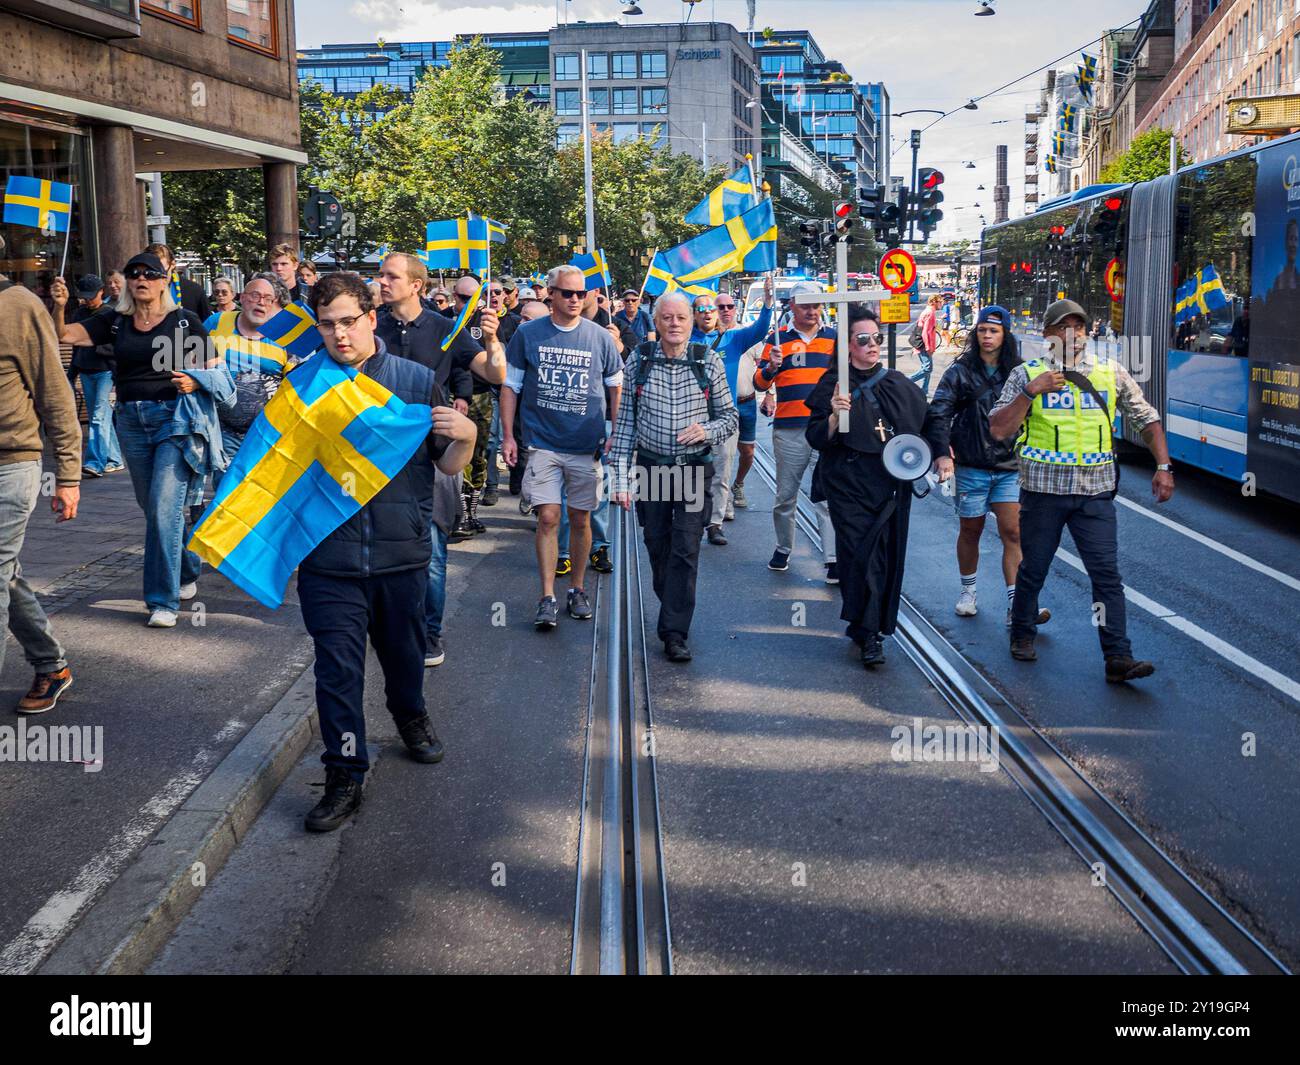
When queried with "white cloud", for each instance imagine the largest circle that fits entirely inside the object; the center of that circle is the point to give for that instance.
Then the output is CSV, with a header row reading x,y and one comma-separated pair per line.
x,y
439,20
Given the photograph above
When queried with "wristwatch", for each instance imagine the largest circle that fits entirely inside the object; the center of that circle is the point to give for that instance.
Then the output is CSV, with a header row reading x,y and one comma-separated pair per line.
x,y
1164,467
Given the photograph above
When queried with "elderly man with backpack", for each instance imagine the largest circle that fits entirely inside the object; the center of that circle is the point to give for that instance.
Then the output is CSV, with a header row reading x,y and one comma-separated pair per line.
x,y
680,407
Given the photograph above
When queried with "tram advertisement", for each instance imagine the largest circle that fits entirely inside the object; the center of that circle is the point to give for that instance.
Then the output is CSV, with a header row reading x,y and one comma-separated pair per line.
x,y
1273,413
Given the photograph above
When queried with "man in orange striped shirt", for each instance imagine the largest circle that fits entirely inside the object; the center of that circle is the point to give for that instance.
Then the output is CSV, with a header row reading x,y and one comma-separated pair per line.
x,y
806,351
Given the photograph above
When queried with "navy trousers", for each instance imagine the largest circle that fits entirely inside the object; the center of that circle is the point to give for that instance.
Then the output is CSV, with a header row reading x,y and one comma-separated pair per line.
x,y
340,612
1091,521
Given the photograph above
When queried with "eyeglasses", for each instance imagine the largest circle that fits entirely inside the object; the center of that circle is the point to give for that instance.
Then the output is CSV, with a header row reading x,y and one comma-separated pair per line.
x,y
496,291
705,308
869,338
326,326
138,272
569,293
252,297
726,306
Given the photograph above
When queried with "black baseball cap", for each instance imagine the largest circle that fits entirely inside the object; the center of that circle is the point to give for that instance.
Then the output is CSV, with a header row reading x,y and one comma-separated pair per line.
x,y
149,262
89,285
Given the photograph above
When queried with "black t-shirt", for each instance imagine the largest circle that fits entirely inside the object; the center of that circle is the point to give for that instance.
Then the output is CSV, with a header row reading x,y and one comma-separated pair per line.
x,y
508,323
421,341
90,359
134,375
630,339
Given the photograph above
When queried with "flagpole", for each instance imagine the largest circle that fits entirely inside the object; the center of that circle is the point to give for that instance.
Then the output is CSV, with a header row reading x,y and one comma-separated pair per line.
x,y
589,191
67,233
647,276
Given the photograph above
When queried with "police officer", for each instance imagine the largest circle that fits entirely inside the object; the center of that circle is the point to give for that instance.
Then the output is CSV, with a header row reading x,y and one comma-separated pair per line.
x,y
1067,400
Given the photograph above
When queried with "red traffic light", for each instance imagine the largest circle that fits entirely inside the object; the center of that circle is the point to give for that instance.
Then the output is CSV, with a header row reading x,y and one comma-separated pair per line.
x,y
844,208
930,179
1026,267
1114,203
1015,267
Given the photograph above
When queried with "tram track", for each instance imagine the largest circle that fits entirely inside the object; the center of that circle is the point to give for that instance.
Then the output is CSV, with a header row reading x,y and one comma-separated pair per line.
x,y
1194,931
621,922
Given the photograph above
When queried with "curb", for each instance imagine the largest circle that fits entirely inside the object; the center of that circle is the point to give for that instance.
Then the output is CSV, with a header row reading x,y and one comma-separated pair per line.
x,y
139,911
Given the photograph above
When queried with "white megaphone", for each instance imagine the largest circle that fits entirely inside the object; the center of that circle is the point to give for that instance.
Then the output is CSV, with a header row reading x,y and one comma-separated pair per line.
x,y
907,458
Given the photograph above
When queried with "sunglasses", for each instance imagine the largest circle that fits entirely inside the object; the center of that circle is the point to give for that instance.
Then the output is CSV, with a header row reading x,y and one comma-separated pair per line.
x,y
138,272
569,293
726,306
869,338
705,308
497,291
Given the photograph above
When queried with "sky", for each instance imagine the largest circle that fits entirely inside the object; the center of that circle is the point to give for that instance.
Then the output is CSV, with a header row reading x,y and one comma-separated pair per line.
x,y
929,53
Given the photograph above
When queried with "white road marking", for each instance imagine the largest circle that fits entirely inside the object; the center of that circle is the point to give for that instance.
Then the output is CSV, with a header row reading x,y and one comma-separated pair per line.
x,y
47,927
1235,655
1214,545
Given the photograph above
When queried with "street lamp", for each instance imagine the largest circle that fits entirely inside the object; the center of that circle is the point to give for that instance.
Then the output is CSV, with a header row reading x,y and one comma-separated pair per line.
x,y
632,9
919,111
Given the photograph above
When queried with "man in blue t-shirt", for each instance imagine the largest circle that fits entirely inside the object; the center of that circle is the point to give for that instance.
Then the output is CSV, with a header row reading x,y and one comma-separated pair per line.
x,y
635,317
565,375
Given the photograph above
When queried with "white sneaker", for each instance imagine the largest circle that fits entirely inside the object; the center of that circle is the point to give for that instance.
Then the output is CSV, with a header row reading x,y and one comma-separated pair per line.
x,y
966,604
189,591
162,619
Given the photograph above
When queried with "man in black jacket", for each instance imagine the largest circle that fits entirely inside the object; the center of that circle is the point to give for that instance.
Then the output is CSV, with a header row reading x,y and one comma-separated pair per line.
x,y
193,298
986,468
368,577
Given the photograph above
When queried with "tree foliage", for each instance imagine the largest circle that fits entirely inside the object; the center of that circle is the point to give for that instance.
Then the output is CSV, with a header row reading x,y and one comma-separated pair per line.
x,y
1147,157
218,216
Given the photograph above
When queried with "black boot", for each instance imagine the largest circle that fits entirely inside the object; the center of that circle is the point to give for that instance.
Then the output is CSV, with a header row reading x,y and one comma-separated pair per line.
x,y
471,505
461,530
421,741
873,652
340,801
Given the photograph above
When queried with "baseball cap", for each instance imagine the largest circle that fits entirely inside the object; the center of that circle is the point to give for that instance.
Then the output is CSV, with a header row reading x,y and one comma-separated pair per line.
x,y
149,262
89,285
528,293
1060,310
805,287
508,284
994,315
631,292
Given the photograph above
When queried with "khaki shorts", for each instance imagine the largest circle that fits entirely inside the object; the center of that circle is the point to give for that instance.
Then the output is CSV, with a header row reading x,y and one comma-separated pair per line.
x,y
552,477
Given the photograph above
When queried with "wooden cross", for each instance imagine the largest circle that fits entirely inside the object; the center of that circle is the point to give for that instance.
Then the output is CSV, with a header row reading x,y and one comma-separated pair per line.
x,y
842,297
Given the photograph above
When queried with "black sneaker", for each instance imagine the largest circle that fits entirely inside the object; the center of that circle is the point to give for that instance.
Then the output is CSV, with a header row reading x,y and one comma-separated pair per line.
x,y
578,606
780,561
563,567
716,537
548,613
873,652
600,561
491,496
340,801
421,741
832,573
434,653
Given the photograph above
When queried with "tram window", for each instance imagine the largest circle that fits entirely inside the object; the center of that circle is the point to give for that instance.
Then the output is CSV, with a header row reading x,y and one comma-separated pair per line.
x,y
1212,258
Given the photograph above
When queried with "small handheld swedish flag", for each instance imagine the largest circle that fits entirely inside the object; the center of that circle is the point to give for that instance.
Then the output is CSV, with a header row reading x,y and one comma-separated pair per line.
x,y
458,244
467,312
734,196
293,329
594,270
38,203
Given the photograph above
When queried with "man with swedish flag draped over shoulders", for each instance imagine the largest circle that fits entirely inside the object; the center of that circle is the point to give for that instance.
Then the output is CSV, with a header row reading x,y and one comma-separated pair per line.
x,y
367,577
1067,400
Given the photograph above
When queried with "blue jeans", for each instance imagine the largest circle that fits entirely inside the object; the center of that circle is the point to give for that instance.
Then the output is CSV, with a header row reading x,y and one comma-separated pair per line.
x,y
231,441
922,376
494,448
20,611
101,441
435,592
161,479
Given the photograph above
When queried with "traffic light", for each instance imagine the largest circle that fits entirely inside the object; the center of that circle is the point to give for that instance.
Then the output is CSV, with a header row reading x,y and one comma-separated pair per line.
x,y
928,197
1105,222
810,235
843,212
322,215
881,213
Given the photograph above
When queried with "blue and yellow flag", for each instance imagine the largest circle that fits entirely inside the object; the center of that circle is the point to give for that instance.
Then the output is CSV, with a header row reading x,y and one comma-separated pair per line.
x,y
1068,113
496,230
175,285
1086,74
241,353
38,203
734,196
536,278
1049,164
594,270
328,441
746,242
659,280
1058,143
1201,293
467,312
458,244
293,329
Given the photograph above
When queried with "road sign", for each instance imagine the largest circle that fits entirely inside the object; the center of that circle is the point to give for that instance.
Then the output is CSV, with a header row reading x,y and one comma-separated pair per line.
x,y
158,220
897,270
1115,280
896,310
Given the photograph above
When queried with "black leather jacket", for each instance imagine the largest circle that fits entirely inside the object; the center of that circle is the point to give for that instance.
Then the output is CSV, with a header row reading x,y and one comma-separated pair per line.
x,y
961,406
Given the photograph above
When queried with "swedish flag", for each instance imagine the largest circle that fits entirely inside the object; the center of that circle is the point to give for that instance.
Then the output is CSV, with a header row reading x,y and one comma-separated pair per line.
x,y
734,196
496,230
594,269
1185,302
659,280
746,242
174,284
328,441
458,244
1058,143
241,353
467,312
1068,113
38,203
1049,164
1086,75
293,329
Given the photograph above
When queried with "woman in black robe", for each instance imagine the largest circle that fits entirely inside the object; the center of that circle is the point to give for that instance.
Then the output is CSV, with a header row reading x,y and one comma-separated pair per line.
x,y
869,508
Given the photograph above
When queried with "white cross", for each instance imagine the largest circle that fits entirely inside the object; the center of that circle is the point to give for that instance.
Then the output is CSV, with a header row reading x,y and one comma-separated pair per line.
x,y
843,297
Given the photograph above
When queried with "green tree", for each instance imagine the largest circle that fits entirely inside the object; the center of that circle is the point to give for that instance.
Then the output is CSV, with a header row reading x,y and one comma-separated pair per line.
x,y
218,215
1147,157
